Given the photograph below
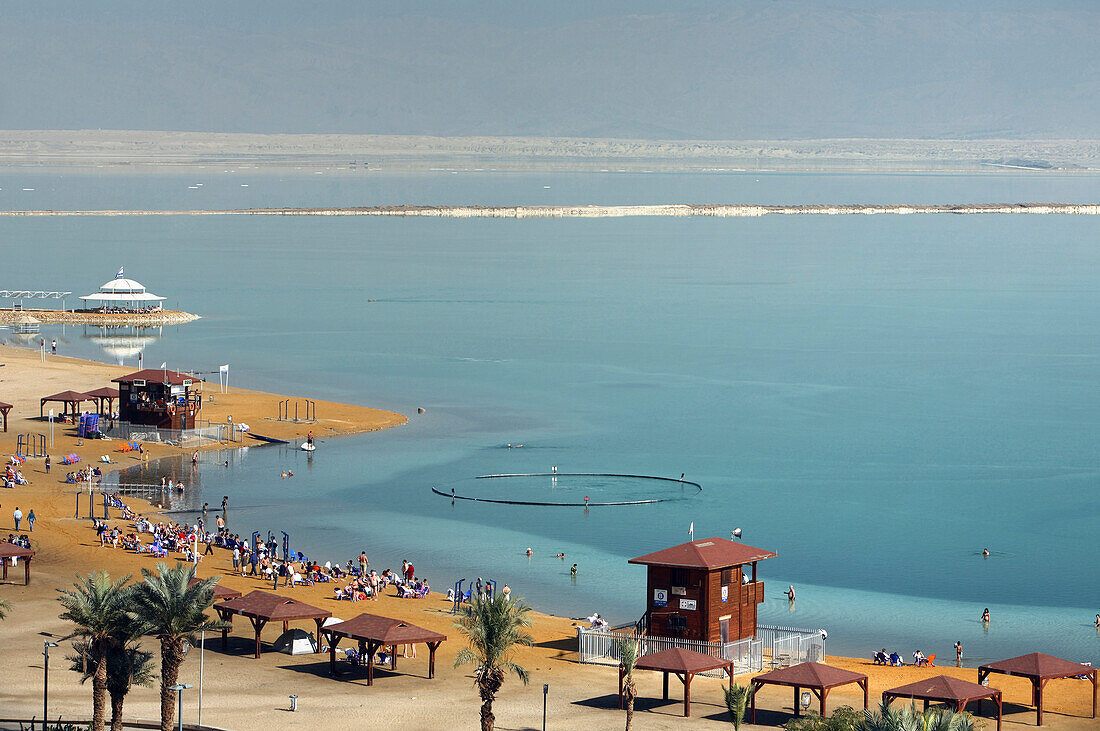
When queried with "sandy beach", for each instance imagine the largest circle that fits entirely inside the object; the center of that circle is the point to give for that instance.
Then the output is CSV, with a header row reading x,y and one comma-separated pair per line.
x,y
580,696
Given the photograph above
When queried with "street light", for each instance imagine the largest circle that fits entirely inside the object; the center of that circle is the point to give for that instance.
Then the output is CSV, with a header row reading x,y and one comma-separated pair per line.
x,y
545,690
180,688
46,681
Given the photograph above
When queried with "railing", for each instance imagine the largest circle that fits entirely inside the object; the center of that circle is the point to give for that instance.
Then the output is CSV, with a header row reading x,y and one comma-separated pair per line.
x,y
786,646
598,646
774,646
187,438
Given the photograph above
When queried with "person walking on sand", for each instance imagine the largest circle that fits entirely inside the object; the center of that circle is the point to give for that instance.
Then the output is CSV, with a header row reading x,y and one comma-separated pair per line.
x,y
18,515
364,562
31,519
53,347
47,464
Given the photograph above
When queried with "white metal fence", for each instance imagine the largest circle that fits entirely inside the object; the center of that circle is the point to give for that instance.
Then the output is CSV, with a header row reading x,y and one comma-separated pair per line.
x,y
773,646
187,438
597,646
786,646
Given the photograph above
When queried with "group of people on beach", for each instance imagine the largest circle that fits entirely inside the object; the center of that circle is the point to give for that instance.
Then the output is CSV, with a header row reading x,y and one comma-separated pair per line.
x,y
262,559
86,474
13,475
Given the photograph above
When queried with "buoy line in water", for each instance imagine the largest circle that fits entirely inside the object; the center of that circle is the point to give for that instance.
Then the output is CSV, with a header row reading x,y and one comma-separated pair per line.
x,y
583,504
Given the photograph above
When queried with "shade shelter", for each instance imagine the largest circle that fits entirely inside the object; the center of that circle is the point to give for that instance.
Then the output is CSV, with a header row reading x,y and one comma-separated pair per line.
x,y
813,676
684,664
121,294
221,593
955,692
374,632
70,399
9,551
103,395
1040,669
261,607
4,409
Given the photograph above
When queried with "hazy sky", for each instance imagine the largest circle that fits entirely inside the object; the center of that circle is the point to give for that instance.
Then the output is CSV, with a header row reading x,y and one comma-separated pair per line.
x,y
704,70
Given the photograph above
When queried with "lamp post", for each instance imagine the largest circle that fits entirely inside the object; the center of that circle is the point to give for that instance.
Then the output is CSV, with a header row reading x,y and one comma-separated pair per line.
x,y
179,688
202,647
46,681
545,690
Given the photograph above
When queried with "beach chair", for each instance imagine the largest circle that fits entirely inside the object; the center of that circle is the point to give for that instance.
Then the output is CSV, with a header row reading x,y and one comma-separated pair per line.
x,y
930,661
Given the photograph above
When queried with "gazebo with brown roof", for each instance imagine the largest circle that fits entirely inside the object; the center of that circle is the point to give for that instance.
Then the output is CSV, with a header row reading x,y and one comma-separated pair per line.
x,y
221,593
71,400
684,664
10,550
105,394
4,409
946,689
261,607
373,632
1040,669
813,676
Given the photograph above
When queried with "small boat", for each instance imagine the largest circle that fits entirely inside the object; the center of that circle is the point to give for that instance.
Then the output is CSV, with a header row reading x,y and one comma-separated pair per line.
x,y
307,447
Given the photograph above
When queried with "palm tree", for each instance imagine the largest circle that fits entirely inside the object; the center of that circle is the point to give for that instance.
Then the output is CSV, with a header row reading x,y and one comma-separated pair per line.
x,y
164,604
5,607
737,697
96,605
493,628
628,657
127,665
908,718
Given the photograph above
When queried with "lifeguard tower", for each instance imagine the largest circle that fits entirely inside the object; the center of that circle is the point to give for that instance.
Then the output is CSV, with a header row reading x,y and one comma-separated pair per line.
x,y
159,398
704,590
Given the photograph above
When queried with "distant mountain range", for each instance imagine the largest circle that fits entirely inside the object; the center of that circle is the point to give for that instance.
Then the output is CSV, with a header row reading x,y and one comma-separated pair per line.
x,y
785,69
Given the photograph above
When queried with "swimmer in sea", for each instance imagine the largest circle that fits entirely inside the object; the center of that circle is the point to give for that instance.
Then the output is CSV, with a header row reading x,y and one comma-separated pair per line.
x,y
290,473
562,555
284,475
985,553
573,570
529,552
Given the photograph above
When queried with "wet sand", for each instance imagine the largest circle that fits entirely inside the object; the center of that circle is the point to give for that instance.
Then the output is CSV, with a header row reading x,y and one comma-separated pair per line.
x,y
243,693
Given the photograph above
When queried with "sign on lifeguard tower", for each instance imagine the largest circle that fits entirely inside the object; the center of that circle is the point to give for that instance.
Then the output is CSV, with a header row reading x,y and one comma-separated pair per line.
x,y
660,597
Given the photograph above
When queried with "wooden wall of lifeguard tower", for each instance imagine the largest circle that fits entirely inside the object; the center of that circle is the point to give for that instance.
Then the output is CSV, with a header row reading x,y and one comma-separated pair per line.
x,y
698,590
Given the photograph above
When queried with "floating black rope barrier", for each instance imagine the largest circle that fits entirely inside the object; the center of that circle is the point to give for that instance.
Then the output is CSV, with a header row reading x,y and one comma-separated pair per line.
x,y
588,503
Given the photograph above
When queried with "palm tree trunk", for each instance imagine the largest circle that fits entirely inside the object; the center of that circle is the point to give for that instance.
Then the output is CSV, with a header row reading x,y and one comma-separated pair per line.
x,y
116,711
488,720
171,656
630,691
99,689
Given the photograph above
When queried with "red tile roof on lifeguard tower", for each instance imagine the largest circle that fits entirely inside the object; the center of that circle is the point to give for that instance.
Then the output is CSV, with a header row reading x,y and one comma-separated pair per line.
x,y
708,553
158,375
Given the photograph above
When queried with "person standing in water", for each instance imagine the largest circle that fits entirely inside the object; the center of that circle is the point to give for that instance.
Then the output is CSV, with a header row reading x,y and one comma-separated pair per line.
x,y
985,616
958,653
790,592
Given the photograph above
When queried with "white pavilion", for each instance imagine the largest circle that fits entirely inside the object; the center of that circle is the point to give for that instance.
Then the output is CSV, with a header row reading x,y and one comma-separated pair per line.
x,y
122,293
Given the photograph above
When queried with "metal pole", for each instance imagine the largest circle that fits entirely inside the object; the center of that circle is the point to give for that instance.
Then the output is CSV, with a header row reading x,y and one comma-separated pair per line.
x,y
545,690
202,647
180,705
46,681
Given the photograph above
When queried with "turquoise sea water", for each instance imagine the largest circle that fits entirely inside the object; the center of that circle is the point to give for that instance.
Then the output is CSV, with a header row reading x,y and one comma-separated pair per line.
x,y
874,398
